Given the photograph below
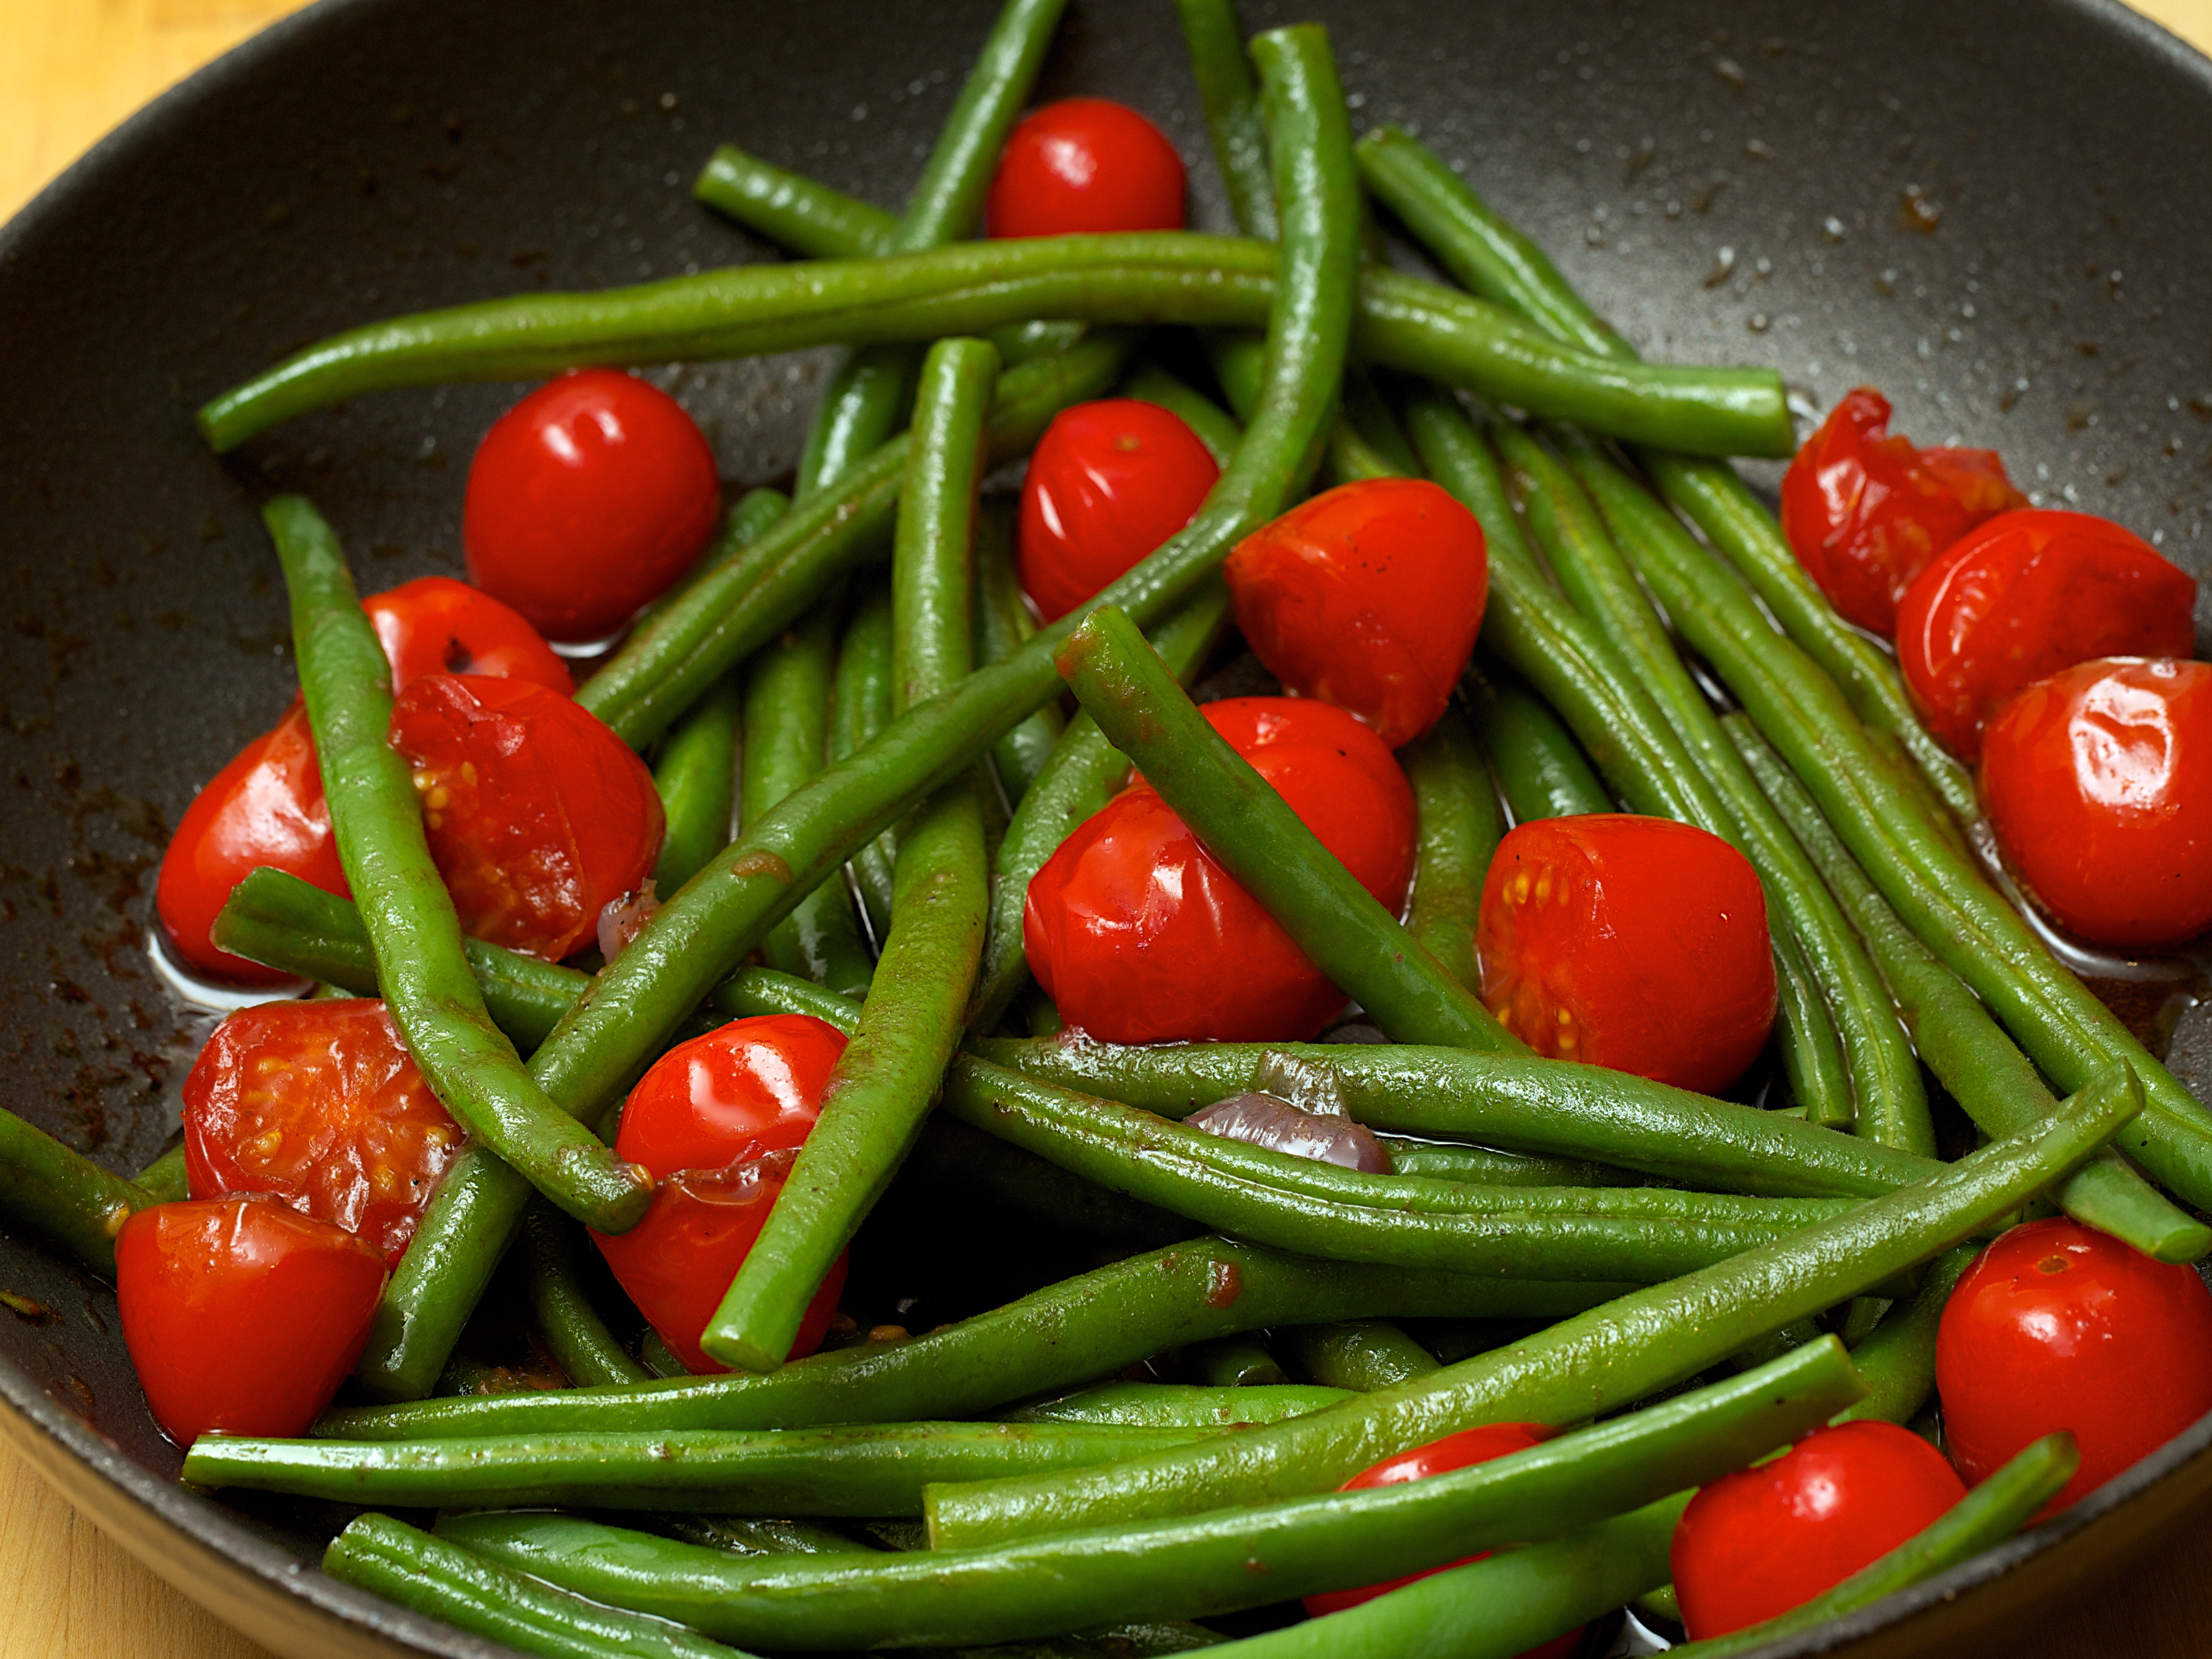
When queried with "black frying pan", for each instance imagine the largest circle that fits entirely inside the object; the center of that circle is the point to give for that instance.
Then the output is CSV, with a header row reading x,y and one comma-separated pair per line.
x,y
1728,181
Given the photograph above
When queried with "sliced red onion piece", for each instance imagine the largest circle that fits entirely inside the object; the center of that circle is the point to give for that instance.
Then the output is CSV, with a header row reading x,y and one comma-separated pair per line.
x,y
624,919
1268,1120
1308,1087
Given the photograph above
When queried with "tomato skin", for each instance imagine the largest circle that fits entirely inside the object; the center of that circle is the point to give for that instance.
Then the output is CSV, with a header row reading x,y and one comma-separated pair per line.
x,y
320,1104
2057,1326
242,1314
436,625
1634,942
2025,595
2098,782
1369,597
1138,936
1867,512
718,1121
1762,1540
1108,482
538,815
586,500
1084,164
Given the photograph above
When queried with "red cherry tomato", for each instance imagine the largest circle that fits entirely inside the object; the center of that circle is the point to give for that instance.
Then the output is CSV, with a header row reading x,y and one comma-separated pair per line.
x,y
718,1120
436,625
2057,1326
1867,512
1370,597
1455,1451
1109,481
1140,937
2098,782
539,817
1084,164
320,1104
1635,943
586,500
2027,593
242,1314
1762,1540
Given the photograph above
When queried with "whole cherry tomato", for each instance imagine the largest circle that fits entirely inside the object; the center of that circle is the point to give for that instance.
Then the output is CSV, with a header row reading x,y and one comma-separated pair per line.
x,y
2098,782
1764,1540
2025,595
242,1314
1455,1451
1369,596
586,500
538,815
320,1104
1138,936
2057,1326
718,1120
1638,944
1867,512
1109,481
1084,164
436,625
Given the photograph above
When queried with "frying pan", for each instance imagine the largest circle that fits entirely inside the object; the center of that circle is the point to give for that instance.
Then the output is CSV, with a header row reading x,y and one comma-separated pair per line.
x,y
1984,206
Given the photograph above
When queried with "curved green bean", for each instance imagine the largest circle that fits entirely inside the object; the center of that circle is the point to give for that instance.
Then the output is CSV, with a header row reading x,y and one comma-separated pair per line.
x,y
1362,1355
862,700
1459,825
561,1313
63,1194
1541,770
1181,1404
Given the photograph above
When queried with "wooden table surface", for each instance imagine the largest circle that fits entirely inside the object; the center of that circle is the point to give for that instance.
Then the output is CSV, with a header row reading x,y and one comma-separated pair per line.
x,y
69,70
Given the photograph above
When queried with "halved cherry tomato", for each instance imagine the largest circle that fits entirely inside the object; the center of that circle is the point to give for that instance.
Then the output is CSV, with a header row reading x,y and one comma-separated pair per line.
x,y
436,625
242,1314
1138,936
1867,512
1764,1540
2025,595
539,817
1084,164
718,1121
1109,481
320,1104
1369,596
1635,943
2057,1326
1455,1451
586,500
2098,782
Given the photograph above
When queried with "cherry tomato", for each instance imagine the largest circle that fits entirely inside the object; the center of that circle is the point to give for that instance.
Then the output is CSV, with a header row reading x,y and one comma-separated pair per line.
x,y
1455,1451
1140,937
320,1104
2057,1326
2025,595
1635,943
1867,512
539,817
718,1121
586,500
2098,782
436,625
1109,481
1369,596
1762,1540
1084,164
242,1314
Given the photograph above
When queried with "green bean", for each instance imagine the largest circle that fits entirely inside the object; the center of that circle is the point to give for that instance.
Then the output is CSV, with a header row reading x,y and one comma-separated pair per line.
x,y
696,775
970,1166
1182,1404
1459,825
1620,1351
790,209
1210,423
744,1536
1451,1161
1367,414
63,1194
862,700
1362,1355
1811,1051
421,969
1541,770
757,512
1898,1358
561,1313
166,1179
1231,101
1003,626
1233,1362
1189,1565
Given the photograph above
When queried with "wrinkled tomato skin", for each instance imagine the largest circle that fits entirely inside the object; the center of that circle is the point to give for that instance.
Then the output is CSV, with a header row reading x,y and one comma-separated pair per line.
x,y
1108,482
436,625
1634,942
2027,593
718,1121
2098,782
242,1314
1084,164
1138,936
1369,597
2057,1326
320,1104
1762,1540
1866,513
586,500
538,815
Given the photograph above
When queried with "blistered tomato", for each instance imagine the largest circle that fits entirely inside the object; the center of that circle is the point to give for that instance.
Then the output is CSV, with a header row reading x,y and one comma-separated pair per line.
x,y
1084,164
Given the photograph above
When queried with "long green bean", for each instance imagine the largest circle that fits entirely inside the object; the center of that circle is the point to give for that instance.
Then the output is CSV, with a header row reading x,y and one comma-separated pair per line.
x,y
63,1194
1459,825
1897,1358
1362,1355
1003,626
1231,100
560,1310
696,775
1455,1161
862,708
1181,1404
1541,770
791,209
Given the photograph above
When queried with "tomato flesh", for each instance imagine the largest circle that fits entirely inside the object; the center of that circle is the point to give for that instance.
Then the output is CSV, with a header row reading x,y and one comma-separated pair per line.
x,y
1084,164
436,625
